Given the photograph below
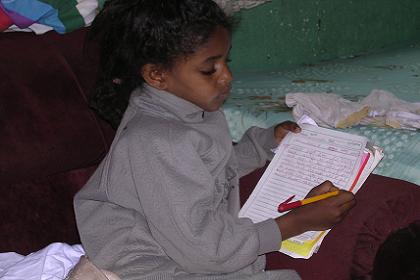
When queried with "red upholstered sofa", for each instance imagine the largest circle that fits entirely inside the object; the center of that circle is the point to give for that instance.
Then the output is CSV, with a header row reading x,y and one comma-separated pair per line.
x,y
51,142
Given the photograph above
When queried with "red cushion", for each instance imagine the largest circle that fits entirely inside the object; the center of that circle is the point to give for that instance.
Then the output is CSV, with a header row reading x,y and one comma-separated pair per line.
x,y
46,126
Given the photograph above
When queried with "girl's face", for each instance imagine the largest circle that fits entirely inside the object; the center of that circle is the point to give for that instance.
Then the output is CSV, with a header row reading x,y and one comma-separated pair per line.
x,y
203,78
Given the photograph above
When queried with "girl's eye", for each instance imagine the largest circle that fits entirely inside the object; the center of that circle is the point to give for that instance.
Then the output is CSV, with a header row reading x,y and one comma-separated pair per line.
x,y
208,73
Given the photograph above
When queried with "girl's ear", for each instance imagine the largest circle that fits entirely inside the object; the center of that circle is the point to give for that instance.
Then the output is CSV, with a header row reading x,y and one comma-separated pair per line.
x,y
154,76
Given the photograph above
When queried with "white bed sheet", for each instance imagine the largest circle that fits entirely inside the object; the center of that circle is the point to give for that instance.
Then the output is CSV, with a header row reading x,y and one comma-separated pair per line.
x,y
50,263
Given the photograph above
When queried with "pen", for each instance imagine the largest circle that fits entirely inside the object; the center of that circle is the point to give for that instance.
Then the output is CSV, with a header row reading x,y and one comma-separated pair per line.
x,y
285,206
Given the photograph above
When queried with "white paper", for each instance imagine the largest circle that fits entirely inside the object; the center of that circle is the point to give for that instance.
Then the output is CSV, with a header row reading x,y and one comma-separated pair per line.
x,y
329,154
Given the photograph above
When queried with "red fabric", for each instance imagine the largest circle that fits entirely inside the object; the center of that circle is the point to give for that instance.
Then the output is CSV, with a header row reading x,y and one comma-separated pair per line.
x,y
38,212
46,126
51,141
5,20
383,206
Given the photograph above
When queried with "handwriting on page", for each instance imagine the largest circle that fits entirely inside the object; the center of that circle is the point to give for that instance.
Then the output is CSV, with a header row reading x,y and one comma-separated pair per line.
x,y
301,165
312,167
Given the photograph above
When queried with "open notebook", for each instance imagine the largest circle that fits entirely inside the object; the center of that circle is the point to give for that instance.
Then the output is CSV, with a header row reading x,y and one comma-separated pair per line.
x,y
302,161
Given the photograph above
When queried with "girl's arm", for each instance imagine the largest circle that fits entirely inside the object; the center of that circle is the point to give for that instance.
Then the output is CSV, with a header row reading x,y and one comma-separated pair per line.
x,y
255,147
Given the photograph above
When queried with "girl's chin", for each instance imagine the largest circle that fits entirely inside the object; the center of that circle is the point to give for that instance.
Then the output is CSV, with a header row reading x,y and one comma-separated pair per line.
x,y
214,107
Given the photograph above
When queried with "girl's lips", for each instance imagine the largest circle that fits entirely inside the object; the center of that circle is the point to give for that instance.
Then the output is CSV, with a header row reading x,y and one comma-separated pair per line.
x,y
224,95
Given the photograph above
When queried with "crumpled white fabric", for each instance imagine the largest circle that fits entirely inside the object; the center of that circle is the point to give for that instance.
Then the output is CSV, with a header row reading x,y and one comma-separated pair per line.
x,y
380,107
52,262
386,108
232,6
37,28
57,261
327,109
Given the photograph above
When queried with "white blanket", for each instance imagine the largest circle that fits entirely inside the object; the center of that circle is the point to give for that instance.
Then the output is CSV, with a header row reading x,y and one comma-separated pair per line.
x,y
51,263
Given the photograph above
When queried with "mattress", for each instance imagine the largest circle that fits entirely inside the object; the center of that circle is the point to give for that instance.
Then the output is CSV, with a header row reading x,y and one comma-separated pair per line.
x,y
258,99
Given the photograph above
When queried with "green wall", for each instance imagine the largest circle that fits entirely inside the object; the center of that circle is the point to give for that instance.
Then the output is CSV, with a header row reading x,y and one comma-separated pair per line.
x,y
286,33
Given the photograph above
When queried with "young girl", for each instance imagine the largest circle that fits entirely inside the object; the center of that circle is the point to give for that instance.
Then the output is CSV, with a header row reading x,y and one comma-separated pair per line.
x,y
164,202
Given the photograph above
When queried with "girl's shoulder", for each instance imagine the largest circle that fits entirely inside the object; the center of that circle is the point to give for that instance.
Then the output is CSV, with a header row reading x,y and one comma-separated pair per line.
x,y
144,129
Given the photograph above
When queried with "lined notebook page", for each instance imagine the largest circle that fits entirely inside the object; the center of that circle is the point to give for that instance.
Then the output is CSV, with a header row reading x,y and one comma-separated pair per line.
x,y
303,161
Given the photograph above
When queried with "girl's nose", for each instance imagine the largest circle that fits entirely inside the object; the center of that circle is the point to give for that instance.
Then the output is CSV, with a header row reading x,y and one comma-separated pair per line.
x,y
226,77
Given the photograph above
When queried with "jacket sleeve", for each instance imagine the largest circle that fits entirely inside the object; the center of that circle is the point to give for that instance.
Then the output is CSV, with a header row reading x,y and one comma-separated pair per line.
x,y
254,149
186,212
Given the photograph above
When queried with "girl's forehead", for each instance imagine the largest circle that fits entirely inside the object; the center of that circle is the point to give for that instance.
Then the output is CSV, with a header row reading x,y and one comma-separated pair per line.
x,y
218,44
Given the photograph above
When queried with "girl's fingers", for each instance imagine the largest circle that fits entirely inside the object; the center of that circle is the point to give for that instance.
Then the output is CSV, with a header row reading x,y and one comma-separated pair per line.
x,y
283,128
345,207
291,126
324,187
343,199
333,188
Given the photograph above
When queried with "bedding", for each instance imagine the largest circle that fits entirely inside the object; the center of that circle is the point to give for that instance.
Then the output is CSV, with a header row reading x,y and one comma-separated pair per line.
x,y
41,16
57,261
52,262
259,99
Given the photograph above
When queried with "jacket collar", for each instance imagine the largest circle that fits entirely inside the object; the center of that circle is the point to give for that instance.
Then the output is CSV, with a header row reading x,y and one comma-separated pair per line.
x,y
152,99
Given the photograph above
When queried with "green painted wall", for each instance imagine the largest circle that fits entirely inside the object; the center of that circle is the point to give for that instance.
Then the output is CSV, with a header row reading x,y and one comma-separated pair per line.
x,y
286,33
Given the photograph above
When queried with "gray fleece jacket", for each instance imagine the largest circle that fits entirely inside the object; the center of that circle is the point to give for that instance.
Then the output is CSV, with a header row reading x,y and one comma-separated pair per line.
x,y
163,204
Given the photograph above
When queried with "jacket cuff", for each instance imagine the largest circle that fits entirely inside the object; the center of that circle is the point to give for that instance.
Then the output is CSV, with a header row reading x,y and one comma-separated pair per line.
x,y
269,235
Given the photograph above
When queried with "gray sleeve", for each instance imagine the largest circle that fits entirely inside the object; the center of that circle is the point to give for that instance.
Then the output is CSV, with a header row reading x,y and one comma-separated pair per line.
x,y
184,211
269,235
254,149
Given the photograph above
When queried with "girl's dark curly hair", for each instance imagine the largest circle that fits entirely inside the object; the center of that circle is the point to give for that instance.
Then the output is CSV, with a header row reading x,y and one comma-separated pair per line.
x,y
132,33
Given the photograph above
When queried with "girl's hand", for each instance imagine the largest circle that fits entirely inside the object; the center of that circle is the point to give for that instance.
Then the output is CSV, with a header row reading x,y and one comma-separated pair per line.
x,y
320,215
283,128
327,186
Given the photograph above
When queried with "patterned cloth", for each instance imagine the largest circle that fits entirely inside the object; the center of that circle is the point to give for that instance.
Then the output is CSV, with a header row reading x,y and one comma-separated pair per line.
x,y
41,16
64,16
259,99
